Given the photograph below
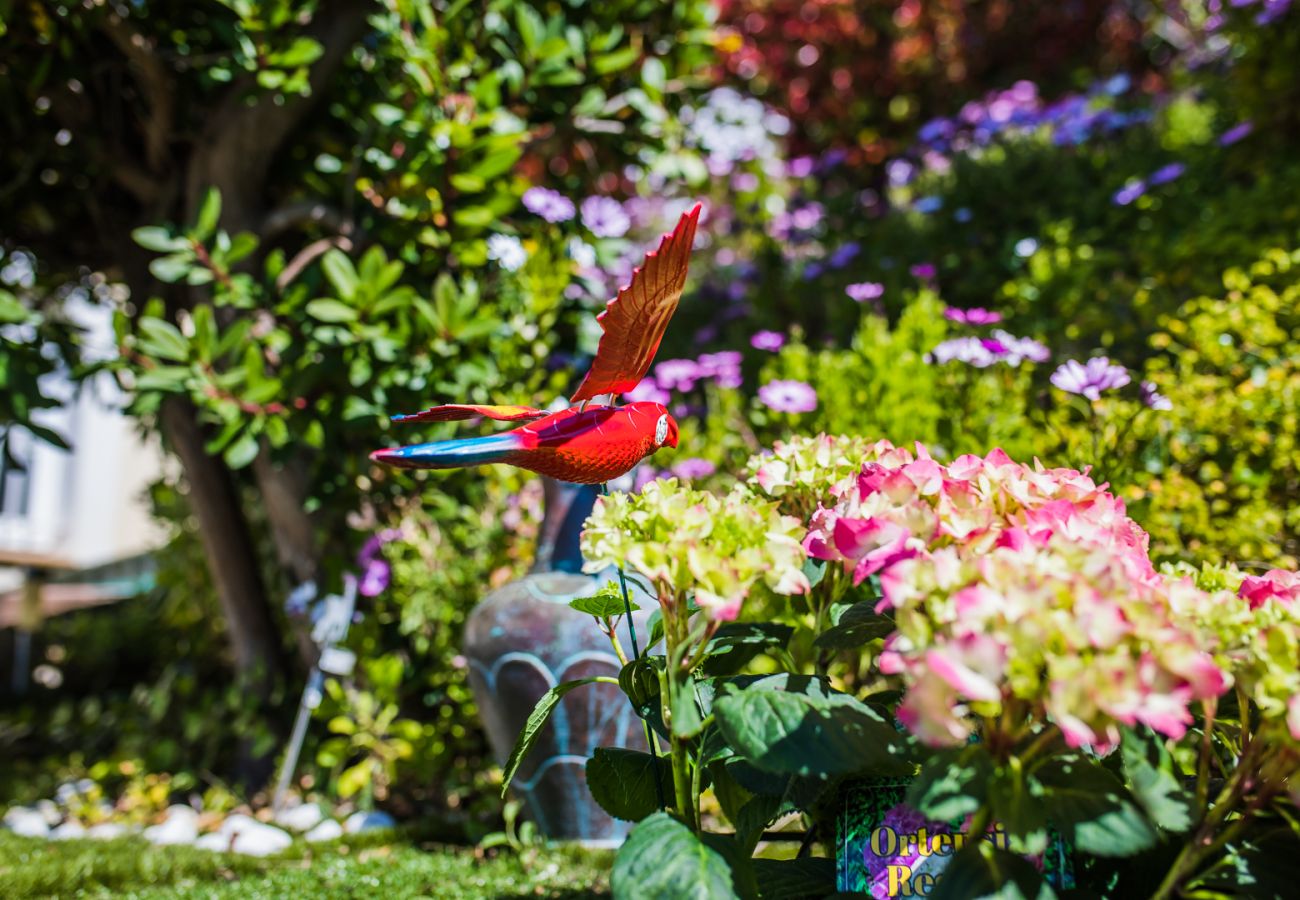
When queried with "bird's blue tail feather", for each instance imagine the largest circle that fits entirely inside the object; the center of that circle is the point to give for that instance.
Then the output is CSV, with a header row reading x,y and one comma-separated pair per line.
x,y
450,454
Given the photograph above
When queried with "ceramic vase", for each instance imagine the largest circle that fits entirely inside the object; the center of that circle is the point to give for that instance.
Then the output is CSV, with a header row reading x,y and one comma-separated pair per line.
x,y
524,639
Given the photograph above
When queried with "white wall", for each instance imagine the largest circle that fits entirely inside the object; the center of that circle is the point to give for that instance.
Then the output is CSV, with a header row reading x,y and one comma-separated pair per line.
x,y
86,505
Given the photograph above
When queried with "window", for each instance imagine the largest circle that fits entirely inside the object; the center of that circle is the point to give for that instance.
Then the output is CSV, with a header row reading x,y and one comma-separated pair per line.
x,y
15,478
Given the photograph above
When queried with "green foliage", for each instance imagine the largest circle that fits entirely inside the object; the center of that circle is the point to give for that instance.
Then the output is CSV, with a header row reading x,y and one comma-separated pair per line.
x,y
662,858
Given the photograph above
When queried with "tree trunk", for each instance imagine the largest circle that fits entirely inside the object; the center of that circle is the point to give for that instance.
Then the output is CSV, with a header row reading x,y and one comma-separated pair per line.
x,y
232,558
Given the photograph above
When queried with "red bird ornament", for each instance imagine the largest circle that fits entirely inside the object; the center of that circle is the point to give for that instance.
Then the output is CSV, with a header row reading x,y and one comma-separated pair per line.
x,y
590,443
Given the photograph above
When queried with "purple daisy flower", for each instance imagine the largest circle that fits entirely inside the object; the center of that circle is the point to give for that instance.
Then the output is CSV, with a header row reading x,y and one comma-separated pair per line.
x,y
1152,397
605,217
678,374
865,290
1019,349
1129,192
924,271
970,350
692,468
650,392
1166,174
1236,133
767,340
788,396
550,205
1091,378
976,315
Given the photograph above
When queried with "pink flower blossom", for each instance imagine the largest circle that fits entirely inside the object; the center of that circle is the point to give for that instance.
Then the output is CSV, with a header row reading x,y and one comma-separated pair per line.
x,y
1277,585
974,316
767,340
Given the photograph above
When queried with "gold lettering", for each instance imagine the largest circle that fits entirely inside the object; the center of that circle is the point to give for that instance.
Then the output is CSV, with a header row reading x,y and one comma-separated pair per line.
x,y
899,876
923,842
942,844
889,848
923,883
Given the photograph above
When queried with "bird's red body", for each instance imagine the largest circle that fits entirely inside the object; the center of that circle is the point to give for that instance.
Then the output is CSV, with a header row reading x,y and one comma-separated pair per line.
x,y
587,444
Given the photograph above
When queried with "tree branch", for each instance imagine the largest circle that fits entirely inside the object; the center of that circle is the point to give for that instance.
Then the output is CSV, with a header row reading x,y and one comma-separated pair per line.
x,y
291,215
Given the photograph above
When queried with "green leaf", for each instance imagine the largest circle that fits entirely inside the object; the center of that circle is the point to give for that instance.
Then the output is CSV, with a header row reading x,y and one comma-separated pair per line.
x,y
984,871
302,52
241,452
167,379
754,817
639,680
163,339
1093,809
790,879
858,625
331,311
801,734
623,782
533,727
654,75
737,643
606,603
160,240
1150,772
171,269
952,783
1018,806
687,721
605,63
340,272
11,310
663,859
209,214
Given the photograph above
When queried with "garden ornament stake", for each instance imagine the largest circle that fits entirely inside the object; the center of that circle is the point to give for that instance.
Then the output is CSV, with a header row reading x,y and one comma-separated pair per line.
x,y
590,443
328,631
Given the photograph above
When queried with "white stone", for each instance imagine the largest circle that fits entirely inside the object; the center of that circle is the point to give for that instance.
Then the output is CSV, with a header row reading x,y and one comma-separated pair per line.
x,y
301,818
329,830
261,841
215,841
27,822
180,827
237,822
50,810
368,821
106,831
69,829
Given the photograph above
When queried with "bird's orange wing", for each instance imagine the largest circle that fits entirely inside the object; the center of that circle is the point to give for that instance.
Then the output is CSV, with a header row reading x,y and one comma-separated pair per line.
x,y
634,322
450,412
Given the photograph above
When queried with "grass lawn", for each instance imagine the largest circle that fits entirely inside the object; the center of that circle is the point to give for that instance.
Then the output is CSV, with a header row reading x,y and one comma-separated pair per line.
x,y
382,864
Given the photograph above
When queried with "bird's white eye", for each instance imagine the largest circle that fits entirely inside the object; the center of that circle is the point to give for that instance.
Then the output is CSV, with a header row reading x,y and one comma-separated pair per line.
x,y
661,429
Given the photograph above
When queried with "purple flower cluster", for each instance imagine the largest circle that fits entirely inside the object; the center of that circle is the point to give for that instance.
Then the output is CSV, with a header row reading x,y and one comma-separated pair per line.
x,y
375,571
767,340
788,396
1019,110
605,217
981,353
1137,187
796,222
1236,133
1152,398
865,291
550,205
974,316
1091,378
683,375
693,468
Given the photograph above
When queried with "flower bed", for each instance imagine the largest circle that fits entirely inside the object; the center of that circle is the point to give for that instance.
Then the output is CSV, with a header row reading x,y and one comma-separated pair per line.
x,y
993,632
